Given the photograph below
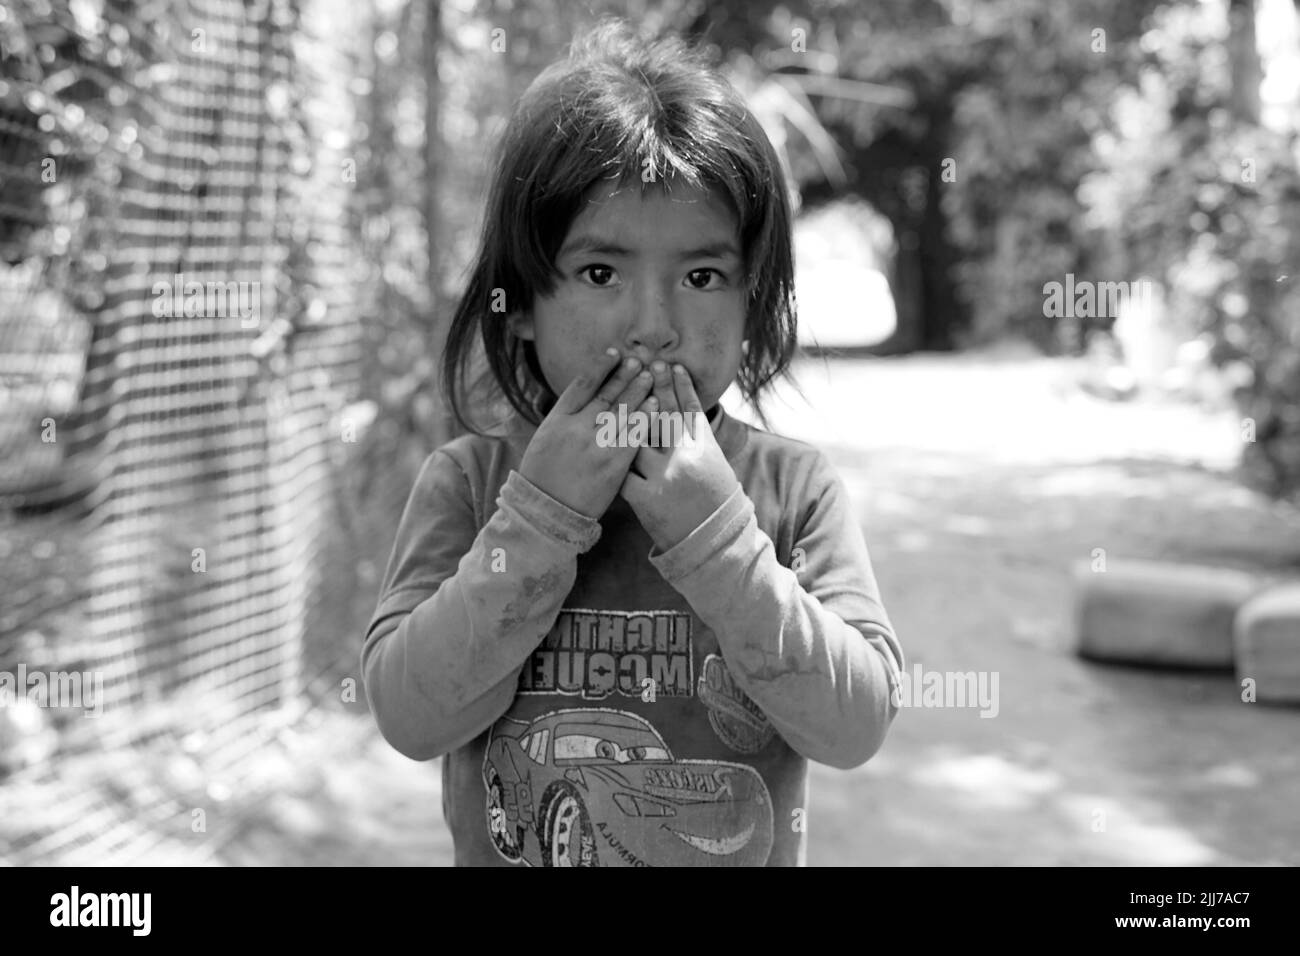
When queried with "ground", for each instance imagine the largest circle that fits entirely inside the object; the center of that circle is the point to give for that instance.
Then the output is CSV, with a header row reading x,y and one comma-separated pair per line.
x,y
986,482
982,481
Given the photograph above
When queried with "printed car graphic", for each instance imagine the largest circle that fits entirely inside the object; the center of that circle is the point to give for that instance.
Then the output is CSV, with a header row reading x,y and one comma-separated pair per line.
x,y
599,787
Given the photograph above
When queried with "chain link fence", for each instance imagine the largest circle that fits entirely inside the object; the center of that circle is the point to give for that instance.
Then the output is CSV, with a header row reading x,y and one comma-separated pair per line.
x,y
179,369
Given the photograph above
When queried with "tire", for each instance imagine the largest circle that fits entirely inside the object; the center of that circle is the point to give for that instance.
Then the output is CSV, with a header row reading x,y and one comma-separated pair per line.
x,y
567,837
511,851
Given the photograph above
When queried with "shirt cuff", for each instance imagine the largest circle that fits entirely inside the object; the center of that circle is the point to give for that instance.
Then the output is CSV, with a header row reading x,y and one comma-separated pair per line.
x,y
710,539
552,518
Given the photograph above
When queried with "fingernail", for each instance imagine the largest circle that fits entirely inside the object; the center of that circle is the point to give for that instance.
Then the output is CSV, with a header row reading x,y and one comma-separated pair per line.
x,y
645,375
660,367
631,363
679,369
612,352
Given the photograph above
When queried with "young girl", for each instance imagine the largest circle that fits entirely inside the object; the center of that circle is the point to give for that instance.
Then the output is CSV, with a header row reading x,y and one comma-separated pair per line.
x,y
629,654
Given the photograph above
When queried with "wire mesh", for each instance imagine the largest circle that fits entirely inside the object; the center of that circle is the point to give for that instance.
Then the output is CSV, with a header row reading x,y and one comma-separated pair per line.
x,y
178,341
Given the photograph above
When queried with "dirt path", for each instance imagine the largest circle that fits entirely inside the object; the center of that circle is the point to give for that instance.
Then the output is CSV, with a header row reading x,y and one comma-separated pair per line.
x,y
974,540
1169,769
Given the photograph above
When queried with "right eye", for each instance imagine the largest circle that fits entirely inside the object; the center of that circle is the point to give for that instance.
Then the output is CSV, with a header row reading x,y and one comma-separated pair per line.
x,y
598,275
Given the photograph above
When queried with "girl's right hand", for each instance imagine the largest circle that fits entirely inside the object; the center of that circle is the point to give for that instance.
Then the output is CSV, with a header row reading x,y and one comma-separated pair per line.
x,y
563,459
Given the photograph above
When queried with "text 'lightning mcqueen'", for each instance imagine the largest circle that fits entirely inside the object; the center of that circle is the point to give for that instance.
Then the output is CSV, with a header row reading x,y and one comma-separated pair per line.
x,y
598,787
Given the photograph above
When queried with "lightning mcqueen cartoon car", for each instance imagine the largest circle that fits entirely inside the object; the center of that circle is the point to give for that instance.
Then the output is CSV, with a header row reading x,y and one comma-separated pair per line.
x,y
593,787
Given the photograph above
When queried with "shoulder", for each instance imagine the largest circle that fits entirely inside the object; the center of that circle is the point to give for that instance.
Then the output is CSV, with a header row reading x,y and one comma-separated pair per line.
x,y
782,447
464,452
473,452
786,478
795,462
470,467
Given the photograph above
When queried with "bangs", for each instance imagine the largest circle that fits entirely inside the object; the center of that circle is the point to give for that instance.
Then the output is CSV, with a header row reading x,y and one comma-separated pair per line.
x,y
598,123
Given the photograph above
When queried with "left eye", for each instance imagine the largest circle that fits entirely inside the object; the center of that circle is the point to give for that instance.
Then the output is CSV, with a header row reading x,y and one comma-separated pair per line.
x,y
700,278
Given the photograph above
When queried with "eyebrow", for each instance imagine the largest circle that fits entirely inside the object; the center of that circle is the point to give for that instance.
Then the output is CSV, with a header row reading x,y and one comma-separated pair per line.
x,y
597,245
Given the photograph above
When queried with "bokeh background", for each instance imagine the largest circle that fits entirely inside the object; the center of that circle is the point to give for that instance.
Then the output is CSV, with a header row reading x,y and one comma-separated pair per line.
x,y
196,504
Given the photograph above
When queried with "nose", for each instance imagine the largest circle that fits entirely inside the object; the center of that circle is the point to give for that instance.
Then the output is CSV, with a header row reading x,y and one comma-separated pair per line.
x,y
653,328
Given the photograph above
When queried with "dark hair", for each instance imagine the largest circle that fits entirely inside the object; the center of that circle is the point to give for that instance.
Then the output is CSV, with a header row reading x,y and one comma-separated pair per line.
x,y
614,103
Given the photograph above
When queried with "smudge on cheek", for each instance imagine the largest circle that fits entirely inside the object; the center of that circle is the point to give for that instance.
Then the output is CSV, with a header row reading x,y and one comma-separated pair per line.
x,y
715,372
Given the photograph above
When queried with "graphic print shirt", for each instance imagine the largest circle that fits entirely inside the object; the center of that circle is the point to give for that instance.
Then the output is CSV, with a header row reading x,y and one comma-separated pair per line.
x,y
600,703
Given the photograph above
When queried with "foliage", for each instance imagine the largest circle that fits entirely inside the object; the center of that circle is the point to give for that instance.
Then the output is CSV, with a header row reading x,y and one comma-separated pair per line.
x,y
1103,138
1211,204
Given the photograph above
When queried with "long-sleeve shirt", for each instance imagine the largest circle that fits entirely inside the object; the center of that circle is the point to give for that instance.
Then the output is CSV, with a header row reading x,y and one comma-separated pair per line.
x,y
599,702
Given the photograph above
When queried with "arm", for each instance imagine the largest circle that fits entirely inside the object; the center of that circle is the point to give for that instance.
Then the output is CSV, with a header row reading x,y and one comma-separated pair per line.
x,y
813,649
460,612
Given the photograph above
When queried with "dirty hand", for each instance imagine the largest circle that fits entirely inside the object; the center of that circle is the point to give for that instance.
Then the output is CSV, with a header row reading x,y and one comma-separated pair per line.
x,y
563,458
673,490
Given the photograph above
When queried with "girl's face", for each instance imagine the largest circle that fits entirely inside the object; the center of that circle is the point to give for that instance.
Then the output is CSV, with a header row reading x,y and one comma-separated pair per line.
x,y
658,277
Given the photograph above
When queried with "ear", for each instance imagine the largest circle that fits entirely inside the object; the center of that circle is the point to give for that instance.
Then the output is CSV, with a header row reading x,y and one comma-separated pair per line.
x,y
521,325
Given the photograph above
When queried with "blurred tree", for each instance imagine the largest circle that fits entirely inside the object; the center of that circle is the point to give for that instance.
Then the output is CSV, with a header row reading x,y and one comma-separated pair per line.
x,y
442,426
1210,203
1244,57
978,162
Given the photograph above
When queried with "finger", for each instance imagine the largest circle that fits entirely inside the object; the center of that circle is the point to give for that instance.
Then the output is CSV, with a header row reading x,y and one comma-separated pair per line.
x,y
580,391
637,390
686,397
647,459
634,488
691,406
648,462
664,390
642,456
624,376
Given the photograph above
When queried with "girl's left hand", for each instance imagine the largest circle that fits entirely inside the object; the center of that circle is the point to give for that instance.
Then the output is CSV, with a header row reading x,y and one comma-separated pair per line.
x,y
679,487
